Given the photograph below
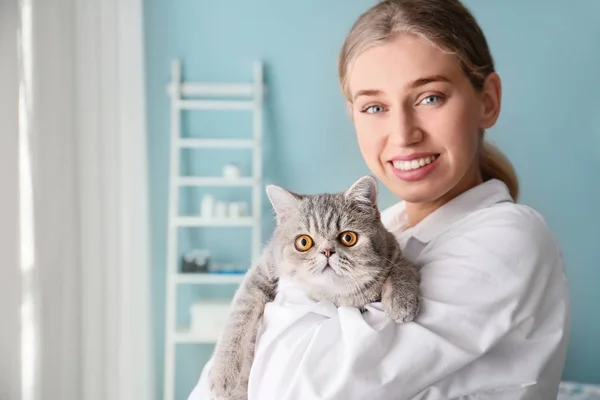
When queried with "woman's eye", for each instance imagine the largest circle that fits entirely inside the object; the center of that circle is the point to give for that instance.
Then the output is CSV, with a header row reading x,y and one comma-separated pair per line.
x,y
431,99
374,109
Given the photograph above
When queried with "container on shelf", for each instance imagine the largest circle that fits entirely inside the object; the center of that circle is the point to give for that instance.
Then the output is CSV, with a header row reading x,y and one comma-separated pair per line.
x,y
226,268
207,206
231,171
208,316
220,209
197,260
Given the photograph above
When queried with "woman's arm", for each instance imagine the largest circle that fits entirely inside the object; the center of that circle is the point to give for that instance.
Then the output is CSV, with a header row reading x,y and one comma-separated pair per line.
x,y
486,293
500,283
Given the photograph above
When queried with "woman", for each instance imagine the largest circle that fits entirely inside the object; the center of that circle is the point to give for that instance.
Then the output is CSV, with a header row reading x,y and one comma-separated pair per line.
x,y
421,89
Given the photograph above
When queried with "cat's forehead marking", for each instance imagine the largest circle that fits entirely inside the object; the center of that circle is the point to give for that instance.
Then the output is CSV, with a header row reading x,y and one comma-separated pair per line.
x,y
323,208
328,214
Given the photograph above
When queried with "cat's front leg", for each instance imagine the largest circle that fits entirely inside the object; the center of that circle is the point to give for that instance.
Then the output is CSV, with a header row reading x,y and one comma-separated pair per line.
x,y
400,297
234,352
225,373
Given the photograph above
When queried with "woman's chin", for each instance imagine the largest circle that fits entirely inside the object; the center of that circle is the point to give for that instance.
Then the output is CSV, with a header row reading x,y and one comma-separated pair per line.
x,y
425,191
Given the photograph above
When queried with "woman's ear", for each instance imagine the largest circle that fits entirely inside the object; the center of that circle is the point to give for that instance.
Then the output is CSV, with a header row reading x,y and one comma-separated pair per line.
x,y
491,99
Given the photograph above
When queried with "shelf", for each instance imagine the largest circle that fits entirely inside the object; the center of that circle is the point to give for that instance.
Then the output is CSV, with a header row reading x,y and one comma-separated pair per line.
x,y
216,105
186,336
214,89
199,221
192,143
214,181
198,278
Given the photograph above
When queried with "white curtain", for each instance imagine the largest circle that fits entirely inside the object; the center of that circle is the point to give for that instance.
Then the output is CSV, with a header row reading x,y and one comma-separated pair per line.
x,y
74,223
10,277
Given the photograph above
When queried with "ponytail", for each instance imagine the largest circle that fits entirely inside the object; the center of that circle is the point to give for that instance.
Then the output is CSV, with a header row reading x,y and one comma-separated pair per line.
x,y
495,165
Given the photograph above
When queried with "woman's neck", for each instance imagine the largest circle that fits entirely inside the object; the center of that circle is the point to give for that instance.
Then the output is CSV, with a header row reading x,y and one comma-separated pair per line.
x,y
417,212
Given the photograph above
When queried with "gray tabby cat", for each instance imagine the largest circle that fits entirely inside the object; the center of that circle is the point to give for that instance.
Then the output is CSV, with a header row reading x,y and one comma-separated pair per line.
x,y
336,249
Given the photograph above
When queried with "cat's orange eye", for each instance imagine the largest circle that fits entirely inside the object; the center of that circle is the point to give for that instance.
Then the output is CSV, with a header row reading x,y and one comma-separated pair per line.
x,y
303,243
348,238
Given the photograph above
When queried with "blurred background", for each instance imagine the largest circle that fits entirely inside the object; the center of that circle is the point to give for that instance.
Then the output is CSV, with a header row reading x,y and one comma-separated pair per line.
x,y
133,193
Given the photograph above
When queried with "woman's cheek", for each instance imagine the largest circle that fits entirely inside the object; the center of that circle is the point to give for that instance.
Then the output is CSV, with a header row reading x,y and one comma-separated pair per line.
x,y
368,128
371,146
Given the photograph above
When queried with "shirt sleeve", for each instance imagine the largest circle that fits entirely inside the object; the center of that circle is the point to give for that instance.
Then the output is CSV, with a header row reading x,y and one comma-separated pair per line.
x,y
481,284
478,286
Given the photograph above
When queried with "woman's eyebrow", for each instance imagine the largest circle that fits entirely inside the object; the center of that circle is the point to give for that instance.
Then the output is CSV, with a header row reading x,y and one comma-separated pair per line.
x,y
411,85
425,80
367,92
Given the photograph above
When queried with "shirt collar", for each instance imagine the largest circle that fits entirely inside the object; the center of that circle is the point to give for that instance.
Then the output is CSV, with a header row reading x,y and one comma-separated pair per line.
x,y
481,196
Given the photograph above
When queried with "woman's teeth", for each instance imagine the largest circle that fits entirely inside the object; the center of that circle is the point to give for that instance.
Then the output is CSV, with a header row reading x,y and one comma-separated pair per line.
x,y
413,164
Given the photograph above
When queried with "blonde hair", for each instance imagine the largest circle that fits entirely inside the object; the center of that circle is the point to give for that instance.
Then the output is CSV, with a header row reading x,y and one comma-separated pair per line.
x,y
447,24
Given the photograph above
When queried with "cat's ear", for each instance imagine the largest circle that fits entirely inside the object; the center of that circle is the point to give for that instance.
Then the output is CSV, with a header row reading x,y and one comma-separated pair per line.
x,y
363,191
282,200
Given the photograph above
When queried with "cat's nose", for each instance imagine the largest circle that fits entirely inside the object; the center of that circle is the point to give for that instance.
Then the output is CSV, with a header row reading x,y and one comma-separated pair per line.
x,y
328,252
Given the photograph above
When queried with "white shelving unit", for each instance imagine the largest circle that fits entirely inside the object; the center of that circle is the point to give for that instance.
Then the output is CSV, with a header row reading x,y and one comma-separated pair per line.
x,y
185,336
197,181
209,279
203,222
223,97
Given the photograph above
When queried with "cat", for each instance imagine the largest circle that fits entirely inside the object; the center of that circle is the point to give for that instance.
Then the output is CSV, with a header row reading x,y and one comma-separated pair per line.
x,y
332,246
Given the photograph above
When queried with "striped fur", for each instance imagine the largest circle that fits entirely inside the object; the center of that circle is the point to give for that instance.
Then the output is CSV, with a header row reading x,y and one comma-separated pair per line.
x,y
373,269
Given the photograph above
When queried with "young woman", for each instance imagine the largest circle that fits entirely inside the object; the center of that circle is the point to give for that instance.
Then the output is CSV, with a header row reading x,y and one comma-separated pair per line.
x,y
421,89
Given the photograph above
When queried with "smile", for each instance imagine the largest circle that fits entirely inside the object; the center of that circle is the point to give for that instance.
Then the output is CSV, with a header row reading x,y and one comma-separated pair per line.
x,y
414,164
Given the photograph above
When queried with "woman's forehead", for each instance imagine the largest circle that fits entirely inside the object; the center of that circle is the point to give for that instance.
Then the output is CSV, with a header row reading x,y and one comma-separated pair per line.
x,y
402,63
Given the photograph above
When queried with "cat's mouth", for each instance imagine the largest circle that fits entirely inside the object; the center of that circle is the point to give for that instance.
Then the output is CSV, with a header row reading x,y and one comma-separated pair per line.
x,y
328,269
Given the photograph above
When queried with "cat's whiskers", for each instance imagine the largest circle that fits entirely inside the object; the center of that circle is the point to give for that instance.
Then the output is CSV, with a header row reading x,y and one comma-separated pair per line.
x,y
313,266
344,264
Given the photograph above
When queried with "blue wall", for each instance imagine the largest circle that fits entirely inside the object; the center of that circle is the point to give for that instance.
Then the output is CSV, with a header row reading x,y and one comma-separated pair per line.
x,y
547,56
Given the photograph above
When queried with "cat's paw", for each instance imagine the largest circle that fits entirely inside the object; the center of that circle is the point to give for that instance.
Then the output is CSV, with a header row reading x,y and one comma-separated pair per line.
x,y
400,307
224,383
234,396
238,396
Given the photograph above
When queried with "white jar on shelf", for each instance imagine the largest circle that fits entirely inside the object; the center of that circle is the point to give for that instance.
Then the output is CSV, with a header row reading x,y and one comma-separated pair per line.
x,y
244,212
207,206
231,171
220,209
238,209
234,210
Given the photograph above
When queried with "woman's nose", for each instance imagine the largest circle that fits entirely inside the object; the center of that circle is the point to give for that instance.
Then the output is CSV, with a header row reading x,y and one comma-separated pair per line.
x,y
404,131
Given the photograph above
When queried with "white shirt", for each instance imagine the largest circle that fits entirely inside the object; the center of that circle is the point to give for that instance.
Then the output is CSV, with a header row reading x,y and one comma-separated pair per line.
x,y
493,325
